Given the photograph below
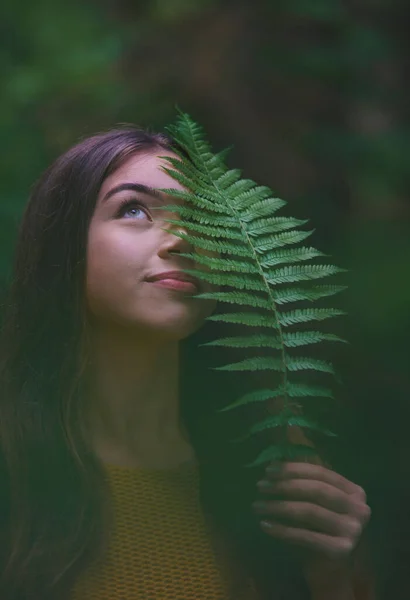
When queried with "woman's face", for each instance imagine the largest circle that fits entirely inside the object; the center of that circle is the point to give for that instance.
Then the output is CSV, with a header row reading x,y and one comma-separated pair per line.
x,y
127,246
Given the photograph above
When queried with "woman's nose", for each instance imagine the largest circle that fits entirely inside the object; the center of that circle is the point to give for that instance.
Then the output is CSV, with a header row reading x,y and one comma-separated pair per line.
x,y
174,242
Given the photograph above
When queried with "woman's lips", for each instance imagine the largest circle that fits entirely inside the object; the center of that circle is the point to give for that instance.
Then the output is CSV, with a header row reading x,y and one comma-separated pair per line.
x,y
177,284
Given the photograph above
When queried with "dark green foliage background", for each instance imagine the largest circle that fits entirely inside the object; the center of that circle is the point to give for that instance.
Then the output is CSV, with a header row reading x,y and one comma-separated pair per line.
x,y
314,95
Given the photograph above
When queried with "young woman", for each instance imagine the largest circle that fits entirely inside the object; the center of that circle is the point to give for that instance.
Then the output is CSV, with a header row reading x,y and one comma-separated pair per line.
x,y
118,479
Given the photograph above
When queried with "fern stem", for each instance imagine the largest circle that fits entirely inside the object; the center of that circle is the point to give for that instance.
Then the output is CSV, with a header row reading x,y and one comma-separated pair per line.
x,y
235,213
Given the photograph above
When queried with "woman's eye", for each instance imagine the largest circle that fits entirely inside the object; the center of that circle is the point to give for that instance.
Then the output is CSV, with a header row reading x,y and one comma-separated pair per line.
x,y
133,210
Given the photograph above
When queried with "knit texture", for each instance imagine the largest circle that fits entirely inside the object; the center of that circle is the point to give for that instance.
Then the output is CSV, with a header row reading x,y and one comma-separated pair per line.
x,y
161,547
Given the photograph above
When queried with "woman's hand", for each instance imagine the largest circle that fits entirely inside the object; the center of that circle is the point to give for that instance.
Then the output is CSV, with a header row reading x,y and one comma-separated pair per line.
x,y
313,508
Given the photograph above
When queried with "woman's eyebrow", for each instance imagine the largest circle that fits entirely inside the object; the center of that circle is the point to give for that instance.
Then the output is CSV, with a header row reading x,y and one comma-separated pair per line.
x,y
135,187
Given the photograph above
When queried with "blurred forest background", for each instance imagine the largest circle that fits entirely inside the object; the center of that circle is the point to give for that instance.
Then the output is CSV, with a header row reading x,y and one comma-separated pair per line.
x,y
314,95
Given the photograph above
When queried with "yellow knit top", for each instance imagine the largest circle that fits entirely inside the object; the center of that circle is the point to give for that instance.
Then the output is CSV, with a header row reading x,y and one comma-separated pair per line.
x,y
161,546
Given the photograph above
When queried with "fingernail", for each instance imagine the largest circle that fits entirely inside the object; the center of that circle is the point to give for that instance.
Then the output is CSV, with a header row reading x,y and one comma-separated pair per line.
x,y
264,485
266,524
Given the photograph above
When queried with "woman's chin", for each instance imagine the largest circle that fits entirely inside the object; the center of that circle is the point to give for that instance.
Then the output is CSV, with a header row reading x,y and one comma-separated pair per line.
x,y
168,321
169,327
174,329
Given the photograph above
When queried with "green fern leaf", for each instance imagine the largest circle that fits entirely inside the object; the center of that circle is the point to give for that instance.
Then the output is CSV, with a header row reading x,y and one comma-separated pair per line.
x,y
205,217
251,341
306,338
304,315
301,390
236,281
252,208
263,226
240,188
301,273
214,163
186,168
235,220
215,245
283,452
297,294
285,420
216,160
255,364
289,255
255,396
251,319
182,179
294,390
252,193
226,180
235,297
193,239
218,232
303,364
204,201
225,264
281,239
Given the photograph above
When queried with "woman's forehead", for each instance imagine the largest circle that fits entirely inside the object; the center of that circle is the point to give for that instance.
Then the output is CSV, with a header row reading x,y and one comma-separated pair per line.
x,y
143,168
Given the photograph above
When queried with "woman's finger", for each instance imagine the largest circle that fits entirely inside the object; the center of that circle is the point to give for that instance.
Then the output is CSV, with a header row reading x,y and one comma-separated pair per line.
x,y
316,492
330,546
293,470
305,515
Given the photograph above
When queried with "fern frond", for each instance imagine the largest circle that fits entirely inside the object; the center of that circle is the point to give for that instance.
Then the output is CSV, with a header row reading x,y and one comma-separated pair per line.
x,y
204,201
183,179
229,232
289,255
240,188
262,226
235,220
215,245
241,283
235,297
301,390
251,207
224,264
304,315
298,273
187,170
250,341
306,364
210,215
211,160
306,338
281,239
216,160
255,364
293,390
285,420
227,179
255,396
250,319
283,452
294,294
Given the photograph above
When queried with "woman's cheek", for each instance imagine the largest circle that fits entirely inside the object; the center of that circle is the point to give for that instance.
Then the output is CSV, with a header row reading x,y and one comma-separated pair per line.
x,y
106,276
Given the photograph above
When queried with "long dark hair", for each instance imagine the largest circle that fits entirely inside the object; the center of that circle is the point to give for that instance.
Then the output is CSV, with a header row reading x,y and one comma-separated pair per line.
x,y
53,500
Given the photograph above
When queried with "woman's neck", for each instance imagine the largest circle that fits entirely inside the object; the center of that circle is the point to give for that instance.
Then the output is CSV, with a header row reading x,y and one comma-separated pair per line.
x,y
132,401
